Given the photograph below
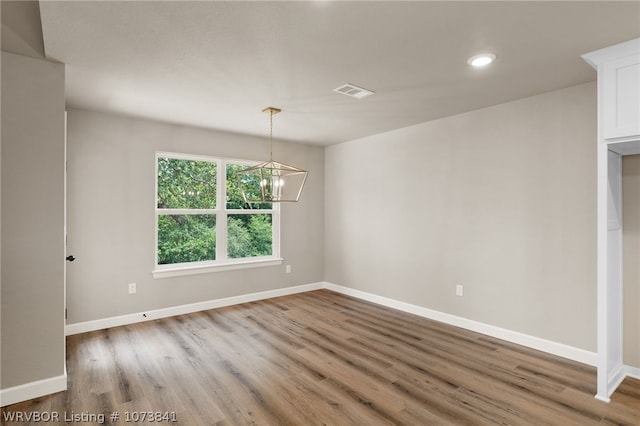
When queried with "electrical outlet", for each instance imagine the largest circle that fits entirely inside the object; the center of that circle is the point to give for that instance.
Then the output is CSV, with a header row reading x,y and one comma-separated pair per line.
x,y
287,269
132,288
459,290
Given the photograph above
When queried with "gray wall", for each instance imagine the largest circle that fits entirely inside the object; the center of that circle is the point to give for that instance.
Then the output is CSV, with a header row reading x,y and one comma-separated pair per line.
x,y
32,220
631,258
111,216
500,200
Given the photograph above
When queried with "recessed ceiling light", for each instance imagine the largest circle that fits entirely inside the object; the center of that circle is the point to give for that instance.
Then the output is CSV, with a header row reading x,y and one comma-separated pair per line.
x,y
481,60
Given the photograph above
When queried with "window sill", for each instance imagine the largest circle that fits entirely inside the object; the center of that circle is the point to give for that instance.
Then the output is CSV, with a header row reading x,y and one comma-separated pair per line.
x,y
203,269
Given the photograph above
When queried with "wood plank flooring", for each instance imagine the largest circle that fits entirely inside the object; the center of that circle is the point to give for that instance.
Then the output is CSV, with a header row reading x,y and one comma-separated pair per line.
x,y
322,358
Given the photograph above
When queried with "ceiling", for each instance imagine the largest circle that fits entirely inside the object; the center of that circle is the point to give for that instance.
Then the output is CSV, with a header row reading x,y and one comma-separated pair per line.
x,y
218,64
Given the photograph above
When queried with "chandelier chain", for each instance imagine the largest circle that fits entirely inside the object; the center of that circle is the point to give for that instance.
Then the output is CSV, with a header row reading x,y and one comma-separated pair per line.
x,y
271,135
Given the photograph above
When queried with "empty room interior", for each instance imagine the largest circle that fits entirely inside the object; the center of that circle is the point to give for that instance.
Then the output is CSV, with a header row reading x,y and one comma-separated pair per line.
x,y
320,212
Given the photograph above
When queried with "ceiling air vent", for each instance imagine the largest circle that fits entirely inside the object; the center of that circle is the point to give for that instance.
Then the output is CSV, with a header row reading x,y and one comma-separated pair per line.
x,y
353,91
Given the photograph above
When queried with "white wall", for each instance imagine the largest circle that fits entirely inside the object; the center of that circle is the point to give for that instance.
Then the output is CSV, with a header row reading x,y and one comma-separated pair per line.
x,y
32,223
111,214
631,258
500,200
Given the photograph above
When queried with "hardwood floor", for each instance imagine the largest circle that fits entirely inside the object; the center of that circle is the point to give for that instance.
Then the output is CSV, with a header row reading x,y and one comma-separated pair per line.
x,y
323,358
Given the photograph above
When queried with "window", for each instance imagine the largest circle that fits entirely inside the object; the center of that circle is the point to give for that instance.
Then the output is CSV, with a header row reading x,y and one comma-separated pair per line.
x,y
202,221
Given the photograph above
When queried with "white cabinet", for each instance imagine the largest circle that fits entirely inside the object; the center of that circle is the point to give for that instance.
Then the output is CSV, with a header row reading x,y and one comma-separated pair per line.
x,y
618,134
621,97
618,89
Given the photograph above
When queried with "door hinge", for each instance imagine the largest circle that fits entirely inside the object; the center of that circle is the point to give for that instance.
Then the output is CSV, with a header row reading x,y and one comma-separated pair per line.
x,y
65,313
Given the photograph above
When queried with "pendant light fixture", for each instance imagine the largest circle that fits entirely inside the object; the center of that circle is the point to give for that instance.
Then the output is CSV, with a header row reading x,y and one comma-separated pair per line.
x,y
271,182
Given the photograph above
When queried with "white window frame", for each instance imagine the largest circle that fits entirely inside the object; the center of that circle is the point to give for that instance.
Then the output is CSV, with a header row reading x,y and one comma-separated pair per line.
x,y
222,262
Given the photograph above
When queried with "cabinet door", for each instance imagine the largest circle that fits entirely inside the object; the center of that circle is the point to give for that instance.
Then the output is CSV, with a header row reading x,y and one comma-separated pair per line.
x,y
622,97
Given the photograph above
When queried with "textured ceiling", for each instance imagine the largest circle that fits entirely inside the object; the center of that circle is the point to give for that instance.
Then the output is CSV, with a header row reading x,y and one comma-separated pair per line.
x,y
217,64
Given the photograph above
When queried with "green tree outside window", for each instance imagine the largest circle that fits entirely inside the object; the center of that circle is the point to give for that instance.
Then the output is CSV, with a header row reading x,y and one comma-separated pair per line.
x,y
187,213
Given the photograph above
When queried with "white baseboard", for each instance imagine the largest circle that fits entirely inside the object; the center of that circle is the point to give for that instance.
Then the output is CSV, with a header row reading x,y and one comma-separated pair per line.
x,y
32,390
565,351
615,378
101,324
633,372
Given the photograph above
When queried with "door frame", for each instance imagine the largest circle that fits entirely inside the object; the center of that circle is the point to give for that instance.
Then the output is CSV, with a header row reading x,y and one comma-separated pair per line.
x,y
611,369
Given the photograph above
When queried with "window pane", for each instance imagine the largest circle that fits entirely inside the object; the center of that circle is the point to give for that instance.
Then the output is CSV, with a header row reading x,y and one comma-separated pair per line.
x,y
186,184
186,238
234,192
249,235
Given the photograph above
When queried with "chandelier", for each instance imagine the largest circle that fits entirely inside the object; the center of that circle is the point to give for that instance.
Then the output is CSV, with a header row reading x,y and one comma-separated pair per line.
x,y
271,182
